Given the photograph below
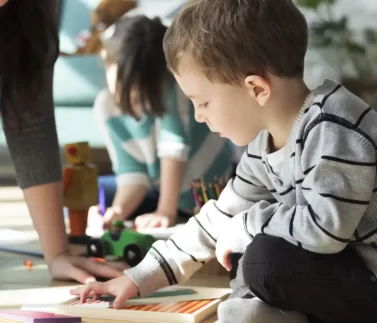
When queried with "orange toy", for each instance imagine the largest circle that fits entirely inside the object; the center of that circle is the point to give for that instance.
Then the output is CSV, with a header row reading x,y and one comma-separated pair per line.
x,y
28,264
80,186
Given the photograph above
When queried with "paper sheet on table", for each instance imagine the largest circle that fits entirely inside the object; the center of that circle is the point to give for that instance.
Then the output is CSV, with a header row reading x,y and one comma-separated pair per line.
x,y
13,237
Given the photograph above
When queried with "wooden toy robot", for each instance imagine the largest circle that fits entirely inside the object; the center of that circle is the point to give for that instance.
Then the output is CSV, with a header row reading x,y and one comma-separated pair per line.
x,y
80,186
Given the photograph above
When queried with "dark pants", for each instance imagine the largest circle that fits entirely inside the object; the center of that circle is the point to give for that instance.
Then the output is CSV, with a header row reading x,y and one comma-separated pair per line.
x,y
334,288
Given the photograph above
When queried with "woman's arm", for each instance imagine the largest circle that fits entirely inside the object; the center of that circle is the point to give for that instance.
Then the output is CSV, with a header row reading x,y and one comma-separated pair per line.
x,y
45,206
31,136
35,154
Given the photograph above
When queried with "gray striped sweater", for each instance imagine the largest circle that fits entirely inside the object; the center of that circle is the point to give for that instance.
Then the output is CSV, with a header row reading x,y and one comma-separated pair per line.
x,y
325,200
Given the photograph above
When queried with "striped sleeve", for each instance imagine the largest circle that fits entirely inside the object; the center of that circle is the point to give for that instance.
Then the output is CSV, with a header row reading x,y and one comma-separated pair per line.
x,y
339,169
176,260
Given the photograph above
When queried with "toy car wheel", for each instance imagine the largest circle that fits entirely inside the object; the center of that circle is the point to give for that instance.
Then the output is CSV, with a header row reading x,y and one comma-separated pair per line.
x,y
133,254
96,248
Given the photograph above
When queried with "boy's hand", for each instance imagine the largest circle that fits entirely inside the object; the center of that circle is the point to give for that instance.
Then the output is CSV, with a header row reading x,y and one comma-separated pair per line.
x,y
223,255
154,220
122,288
234,238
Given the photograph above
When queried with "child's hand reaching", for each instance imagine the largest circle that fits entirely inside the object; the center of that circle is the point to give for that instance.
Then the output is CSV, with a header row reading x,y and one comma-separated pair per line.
x,y
229,242
223,255
97,219
123,288
154,220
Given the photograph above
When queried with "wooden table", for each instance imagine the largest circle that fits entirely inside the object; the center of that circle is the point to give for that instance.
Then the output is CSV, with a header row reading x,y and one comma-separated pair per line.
x,y
19,285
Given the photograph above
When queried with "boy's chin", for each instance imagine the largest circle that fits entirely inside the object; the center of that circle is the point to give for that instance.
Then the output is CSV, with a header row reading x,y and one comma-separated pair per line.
x,y
239,142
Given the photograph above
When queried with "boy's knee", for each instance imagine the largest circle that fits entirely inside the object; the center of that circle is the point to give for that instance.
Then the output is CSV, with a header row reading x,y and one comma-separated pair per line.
x,y
263,249
266,259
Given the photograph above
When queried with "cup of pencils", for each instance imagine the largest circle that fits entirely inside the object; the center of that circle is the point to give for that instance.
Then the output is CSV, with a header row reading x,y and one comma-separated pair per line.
x,y
202,192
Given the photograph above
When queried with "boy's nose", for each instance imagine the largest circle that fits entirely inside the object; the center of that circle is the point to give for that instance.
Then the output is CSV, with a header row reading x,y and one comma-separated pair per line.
x,y
199,117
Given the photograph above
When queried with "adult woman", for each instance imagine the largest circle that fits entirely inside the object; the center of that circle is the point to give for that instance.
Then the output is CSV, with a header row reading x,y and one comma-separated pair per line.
x,y
29,47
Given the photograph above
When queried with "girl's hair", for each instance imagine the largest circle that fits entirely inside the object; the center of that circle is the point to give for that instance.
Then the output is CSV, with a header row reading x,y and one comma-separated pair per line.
x,y
29,44
136,47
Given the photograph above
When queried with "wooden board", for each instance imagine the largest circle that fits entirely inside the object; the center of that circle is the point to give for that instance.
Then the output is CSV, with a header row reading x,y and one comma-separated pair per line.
x,y
175,312
19,297
47,296
192,308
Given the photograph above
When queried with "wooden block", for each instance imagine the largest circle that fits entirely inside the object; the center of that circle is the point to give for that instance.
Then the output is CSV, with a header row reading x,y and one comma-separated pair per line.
x,y
77,153
82,190
97,303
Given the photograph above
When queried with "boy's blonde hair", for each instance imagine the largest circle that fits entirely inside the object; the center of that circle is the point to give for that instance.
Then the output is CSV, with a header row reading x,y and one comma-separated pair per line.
x,y
230,39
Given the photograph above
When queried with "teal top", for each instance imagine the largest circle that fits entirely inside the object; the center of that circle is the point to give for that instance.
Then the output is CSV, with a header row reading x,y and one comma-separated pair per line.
x,y
137,146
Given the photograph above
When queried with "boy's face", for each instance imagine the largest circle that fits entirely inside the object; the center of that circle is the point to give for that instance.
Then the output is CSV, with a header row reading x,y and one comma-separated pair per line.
x,y
229,110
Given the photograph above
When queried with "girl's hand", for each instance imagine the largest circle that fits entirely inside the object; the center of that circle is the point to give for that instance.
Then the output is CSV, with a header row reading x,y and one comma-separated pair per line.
x,y
97,219
123,288
111,215
155,220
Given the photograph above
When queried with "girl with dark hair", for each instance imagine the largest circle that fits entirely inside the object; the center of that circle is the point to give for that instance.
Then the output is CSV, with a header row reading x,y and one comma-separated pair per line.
x,y
29,47
156,146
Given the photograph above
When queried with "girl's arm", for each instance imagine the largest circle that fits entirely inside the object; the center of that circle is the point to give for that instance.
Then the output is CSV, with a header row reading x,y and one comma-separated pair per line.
x,y
127,199
173,150
172,172
131,174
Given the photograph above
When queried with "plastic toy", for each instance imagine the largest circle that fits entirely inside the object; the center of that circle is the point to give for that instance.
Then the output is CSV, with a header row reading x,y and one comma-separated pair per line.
x,y
126,244
80,186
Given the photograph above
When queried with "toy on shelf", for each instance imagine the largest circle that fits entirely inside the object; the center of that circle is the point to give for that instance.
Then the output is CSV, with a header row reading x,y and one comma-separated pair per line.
x,y
80,186
121,243
203,192
102,17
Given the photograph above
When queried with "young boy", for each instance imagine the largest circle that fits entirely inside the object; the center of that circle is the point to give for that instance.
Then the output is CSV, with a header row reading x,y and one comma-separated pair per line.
x,y
300,216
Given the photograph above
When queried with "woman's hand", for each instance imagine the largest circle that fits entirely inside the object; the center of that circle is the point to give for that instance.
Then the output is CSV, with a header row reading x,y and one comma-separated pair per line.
x,y
83,270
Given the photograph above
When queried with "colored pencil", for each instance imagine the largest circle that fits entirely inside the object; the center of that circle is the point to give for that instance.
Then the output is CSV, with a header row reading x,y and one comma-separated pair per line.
x,y
204,191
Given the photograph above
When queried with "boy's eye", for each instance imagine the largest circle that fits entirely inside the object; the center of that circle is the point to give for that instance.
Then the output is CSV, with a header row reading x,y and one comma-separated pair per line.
x,y
203,105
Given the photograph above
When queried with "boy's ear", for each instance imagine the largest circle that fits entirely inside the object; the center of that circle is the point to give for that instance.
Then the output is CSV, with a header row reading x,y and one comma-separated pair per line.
x,y
259,88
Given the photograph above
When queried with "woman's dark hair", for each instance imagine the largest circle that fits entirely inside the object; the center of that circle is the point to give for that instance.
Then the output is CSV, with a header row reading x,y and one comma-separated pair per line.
x,y
141,64
29,44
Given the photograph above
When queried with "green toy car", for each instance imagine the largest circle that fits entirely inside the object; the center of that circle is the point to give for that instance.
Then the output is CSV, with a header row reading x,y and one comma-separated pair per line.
x,y
121,243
